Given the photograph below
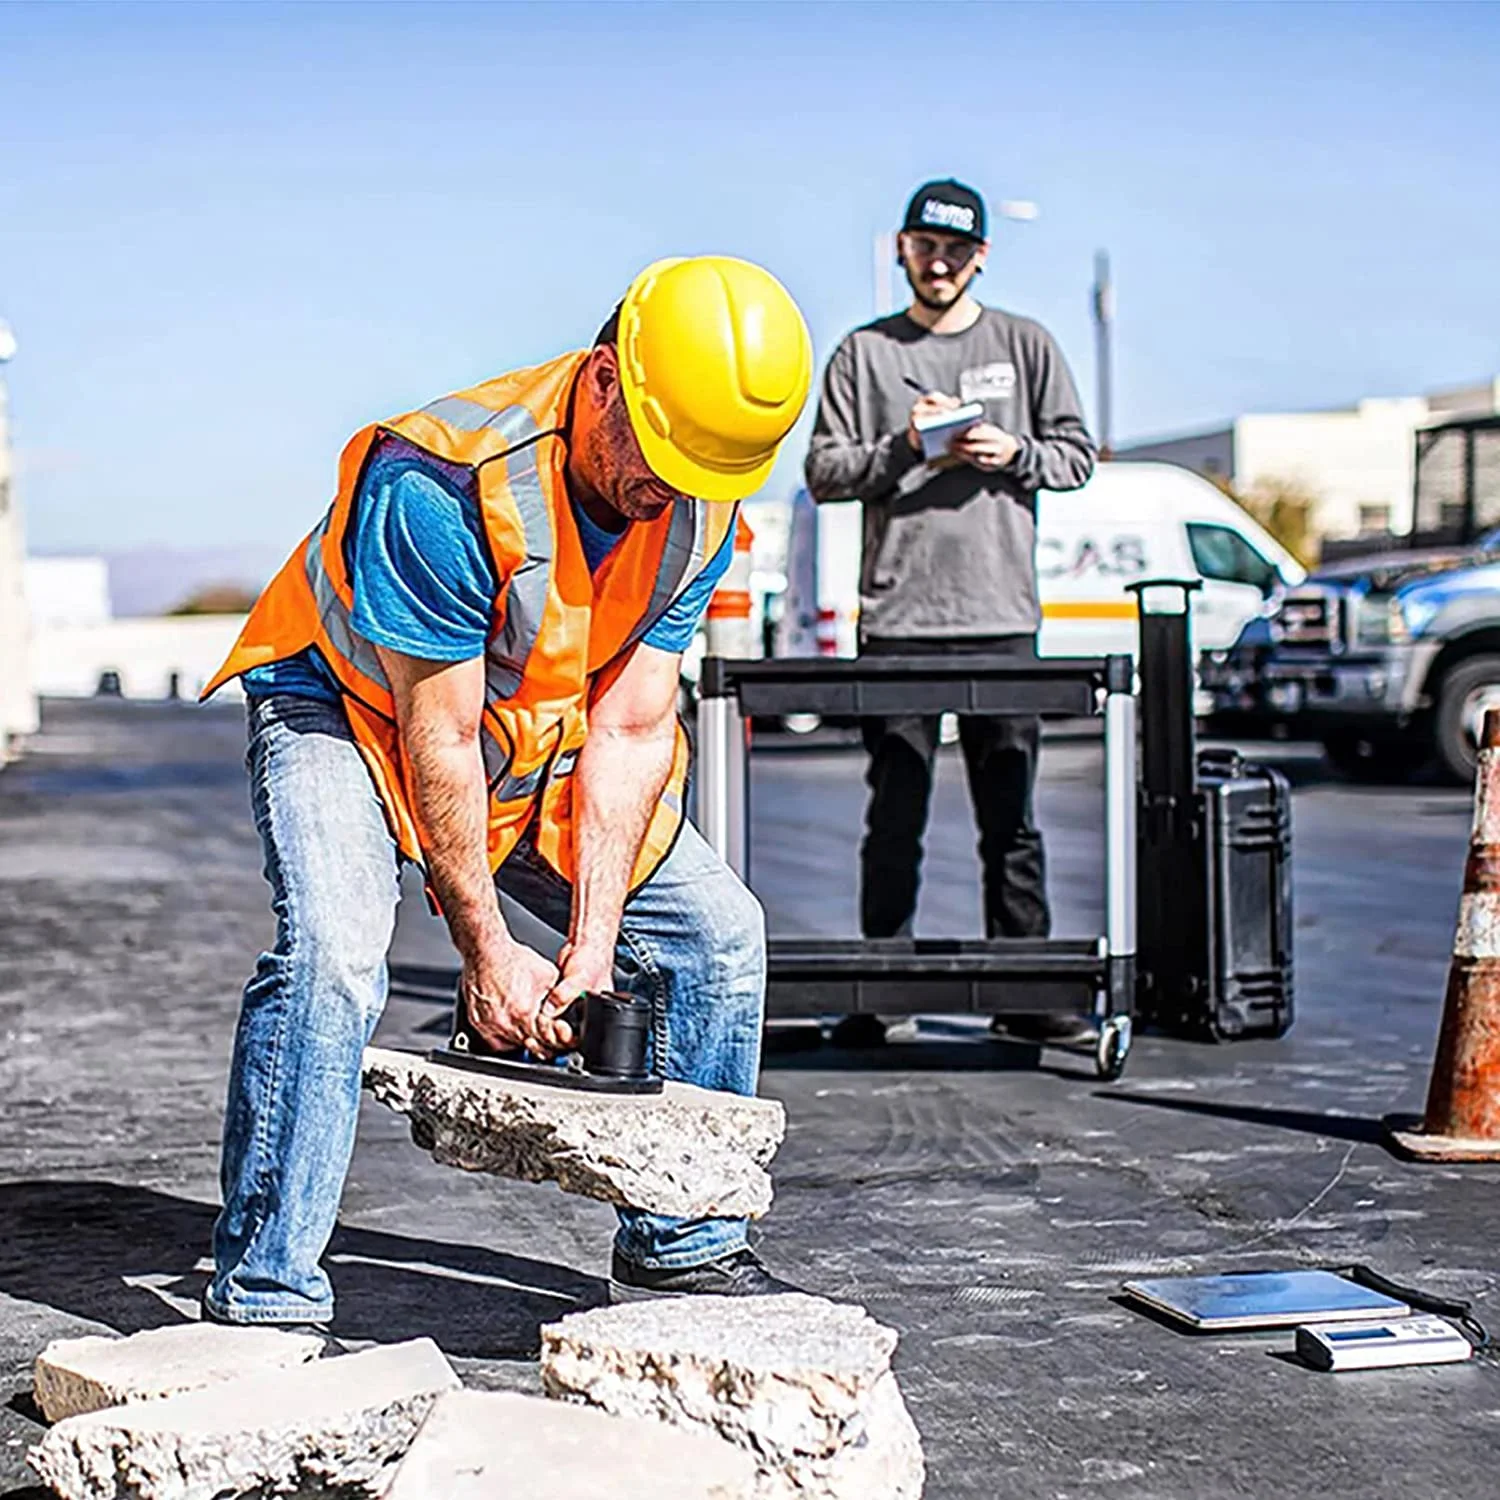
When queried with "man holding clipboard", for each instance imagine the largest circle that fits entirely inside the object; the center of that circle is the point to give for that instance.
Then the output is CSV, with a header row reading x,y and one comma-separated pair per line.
x,y
945,420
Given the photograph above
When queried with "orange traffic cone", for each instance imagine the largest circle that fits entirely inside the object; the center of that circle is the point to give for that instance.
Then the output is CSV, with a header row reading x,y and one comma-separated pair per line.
x,y
1462,1122
730,627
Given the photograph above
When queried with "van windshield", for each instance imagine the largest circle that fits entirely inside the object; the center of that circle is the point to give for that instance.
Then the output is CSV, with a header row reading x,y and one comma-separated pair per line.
x,y
1221,553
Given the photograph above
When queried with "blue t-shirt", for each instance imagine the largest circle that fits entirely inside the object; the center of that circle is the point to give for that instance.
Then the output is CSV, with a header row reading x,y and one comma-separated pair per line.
x,y
422,580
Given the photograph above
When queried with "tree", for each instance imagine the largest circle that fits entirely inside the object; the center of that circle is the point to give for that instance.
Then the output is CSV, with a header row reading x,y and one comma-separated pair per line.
x,y
217,599
1286,508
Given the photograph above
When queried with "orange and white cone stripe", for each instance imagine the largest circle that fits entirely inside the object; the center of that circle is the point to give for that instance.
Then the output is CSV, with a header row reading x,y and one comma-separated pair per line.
x,y
1462,1119
730,625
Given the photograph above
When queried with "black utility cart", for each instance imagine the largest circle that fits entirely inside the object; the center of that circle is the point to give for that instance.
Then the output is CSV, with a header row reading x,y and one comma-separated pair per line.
x,y
817,976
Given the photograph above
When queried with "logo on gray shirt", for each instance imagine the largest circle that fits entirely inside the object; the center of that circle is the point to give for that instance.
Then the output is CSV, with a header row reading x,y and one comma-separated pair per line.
x,y
994,382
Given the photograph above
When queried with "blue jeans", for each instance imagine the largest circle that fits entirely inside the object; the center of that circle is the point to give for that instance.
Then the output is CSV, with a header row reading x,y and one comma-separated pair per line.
x,y
692,942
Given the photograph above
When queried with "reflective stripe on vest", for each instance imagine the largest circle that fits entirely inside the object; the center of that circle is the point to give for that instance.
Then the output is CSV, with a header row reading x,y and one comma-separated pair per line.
x,y
514,424
681,560
526,596
334,616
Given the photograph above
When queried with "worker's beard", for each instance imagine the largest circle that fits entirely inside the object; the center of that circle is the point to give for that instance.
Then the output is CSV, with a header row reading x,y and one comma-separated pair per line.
x,y
628,487
941,304
641,499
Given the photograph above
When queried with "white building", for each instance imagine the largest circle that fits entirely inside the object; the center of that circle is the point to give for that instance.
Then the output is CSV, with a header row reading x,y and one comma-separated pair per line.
x,y
1358,462
18,707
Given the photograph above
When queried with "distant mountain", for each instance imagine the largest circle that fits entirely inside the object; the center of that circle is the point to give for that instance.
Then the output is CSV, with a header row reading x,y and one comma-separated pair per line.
x,y
153,580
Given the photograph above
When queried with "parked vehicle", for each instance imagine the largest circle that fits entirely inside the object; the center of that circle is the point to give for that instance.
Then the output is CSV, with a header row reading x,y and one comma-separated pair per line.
x,y
1130,521
1389,660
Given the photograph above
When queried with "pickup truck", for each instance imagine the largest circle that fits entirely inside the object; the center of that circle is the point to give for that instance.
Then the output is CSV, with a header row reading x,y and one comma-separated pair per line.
x,y
1390,660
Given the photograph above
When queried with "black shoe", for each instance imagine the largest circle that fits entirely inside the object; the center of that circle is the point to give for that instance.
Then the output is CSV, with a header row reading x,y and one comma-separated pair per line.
x,y
859,1031
1055,1031
738,1274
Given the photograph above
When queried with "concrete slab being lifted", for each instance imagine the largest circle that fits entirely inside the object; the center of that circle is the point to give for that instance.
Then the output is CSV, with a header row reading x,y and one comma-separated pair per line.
x,y
479,1445
335,1425
802,1384
687,1151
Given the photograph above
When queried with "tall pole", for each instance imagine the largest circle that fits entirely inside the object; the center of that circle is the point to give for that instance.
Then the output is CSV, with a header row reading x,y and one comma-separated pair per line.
x,y
884,267
1104,318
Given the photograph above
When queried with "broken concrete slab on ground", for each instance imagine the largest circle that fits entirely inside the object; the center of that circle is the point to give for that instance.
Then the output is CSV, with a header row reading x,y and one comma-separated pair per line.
x,y
688,1152
477,1445
74,1376
802,1384
335,1424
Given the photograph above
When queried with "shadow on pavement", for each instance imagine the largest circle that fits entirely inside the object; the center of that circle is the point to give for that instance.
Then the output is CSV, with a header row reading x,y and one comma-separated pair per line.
x,y
128,1257
1334,1127
982,1054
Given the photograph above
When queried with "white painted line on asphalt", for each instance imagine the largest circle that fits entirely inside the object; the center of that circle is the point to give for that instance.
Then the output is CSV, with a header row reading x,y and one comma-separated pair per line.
x,y
448,1273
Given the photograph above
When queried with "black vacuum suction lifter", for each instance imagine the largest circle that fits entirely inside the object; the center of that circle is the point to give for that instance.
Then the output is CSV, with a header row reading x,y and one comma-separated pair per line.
x,y
613,1031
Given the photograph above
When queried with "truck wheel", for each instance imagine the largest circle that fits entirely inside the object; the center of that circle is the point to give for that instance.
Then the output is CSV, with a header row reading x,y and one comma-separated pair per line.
x,y
1372,761
1466,692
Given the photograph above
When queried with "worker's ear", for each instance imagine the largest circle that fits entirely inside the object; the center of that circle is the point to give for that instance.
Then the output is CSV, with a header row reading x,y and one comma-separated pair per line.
x,y
604,373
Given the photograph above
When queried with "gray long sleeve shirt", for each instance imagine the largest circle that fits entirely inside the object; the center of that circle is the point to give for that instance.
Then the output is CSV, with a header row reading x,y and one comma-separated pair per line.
x,y
947,552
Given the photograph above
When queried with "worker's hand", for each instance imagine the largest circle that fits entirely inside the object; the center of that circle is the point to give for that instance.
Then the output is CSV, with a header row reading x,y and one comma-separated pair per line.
x,y
502,992
581,970
926,407
985,446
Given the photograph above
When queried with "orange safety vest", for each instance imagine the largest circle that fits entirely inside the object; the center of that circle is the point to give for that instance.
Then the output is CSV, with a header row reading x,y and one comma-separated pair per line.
x,y
558,635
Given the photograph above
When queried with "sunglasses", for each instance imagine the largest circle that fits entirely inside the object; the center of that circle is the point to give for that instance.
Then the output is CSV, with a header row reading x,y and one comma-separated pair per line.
x,y
957,252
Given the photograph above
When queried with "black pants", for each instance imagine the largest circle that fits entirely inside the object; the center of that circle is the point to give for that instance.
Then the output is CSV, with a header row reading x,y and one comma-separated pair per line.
x,y
1000,755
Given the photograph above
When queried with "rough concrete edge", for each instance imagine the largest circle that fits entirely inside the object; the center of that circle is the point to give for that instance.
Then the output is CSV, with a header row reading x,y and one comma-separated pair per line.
x,y
52,1382
57,1453
394,1079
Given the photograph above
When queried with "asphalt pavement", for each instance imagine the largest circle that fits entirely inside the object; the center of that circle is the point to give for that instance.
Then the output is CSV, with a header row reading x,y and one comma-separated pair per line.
x,y
982,1198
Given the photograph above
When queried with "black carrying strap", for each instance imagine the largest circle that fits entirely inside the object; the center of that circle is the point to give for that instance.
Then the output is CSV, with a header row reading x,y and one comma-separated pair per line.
x,y
1462,1313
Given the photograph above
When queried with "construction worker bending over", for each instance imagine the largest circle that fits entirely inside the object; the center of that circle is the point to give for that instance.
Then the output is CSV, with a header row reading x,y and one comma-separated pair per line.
x,y
472,663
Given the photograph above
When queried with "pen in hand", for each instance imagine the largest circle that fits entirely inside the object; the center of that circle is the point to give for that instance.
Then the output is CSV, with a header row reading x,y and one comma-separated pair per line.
x,y
913,383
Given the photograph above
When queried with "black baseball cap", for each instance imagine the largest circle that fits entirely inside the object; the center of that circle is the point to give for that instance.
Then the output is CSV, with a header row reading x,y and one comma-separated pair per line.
x,y
947,207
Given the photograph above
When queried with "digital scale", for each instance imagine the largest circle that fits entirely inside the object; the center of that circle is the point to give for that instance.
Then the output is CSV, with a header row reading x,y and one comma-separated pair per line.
x,y
1340,1324
1381,1345
1262,1299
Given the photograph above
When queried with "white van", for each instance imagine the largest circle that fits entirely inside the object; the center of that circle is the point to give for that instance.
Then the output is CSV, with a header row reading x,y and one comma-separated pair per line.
x,y
1130,521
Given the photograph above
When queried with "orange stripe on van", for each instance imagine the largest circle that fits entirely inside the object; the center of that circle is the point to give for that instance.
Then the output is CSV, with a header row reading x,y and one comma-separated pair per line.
x,y
1090,609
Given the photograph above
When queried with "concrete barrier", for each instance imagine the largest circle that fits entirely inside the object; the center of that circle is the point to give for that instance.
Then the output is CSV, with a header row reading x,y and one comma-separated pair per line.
x,y
147,652
18,703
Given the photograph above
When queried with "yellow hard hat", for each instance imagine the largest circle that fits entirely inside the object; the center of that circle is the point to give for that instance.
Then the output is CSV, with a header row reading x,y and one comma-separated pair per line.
x,y
715,363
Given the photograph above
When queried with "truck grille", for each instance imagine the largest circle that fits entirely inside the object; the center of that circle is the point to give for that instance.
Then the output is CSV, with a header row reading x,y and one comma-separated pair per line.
x,y
1308,620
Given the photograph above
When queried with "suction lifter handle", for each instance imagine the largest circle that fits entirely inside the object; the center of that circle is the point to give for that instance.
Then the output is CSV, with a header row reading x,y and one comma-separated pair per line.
x,y
613,1032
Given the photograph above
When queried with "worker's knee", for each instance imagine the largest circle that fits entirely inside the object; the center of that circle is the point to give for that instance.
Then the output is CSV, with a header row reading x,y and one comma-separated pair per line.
x,y
733,924
332,956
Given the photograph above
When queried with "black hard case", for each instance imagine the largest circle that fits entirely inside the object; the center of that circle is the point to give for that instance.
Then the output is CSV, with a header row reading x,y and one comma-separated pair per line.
x,y
1214,849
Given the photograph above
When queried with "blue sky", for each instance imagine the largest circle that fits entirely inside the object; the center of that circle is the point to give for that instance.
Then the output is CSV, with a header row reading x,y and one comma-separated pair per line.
x,y
230,235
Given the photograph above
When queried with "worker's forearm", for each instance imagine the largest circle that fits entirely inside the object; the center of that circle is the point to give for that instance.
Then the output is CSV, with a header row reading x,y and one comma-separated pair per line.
x,y
617,783
448,788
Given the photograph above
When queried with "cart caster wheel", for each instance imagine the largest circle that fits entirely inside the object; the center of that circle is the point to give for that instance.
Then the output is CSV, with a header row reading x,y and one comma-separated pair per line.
x,y
1113,1047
